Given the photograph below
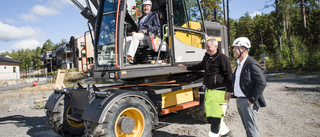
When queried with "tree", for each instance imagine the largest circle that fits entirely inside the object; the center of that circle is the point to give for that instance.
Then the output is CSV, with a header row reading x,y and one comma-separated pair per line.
x,y
288,5
208,7
47,46
36,57
60,43
244,26
5,53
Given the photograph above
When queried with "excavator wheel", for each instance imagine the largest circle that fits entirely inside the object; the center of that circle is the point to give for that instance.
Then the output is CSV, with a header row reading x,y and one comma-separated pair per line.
x,y
59,122
197,113
128,117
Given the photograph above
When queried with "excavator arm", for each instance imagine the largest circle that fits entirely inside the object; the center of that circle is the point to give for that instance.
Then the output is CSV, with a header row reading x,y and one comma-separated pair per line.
x,y
86,12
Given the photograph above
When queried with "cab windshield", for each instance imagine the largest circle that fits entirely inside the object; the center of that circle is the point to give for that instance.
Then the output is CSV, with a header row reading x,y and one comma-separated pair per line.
x,y
106,29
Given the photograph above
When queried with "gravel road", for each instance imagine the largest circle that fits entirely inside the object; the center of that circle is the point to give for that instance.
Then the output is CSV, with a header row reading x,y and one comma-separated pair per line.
x,y
293,110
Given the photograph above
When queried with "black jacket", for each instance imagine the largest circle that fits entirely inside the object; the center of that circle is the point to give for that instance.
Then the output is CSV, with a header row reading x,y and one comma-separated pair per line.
x,y
252,81
218,72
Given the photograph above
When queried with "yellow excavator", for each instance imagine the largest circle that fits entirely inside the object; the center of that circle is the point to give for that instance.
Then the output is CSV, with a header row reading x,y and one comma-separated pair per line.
x,y
136,93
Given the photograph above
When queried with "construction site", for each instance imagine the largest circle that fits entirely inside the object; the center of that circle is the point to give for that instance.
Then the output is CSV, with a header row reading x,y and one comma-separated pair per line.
x,y
293,108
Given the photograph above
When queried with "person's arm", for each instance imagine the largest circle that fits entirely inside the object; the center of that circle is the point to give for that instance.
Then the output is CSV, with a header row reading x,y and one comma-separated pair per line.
x,y
198,66
155,23
138,27
227,74
259,79
193,67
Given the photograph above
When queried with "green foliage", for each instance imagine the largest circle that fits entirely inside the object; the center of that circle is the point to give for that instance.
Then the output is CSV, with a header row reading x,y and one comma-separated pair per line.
x,y
208,9
294,52
272,63
47,46
27,56
314,57
299,52
139,5
138,8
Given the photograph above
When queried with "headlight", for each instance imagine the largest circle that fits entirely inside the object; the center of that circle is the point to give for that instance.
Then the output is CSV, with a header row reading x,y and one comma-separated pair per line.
x,y
111,75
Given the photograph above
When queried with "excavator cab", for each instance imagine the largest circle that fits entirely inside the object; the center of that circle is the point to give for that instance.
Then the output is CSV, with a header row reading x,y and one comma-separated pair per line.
x,y
180,38
148,47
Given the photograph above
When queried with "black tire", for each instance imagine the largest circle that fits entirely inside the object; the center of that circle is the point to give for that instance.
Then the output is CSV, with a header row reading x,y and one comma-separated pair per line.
x,y
59,122
132,107
197,113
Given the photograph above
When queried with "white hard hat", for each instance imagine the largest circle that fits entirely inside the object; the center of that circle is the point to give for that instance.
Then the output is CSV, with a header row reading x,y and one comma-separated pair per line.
x,y
147,2
242,41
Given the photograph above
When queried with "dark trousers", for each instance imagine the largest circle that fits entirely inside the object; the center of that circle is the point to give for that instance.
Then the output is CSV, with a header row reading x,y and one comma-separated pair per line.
x,y
249,117
215,124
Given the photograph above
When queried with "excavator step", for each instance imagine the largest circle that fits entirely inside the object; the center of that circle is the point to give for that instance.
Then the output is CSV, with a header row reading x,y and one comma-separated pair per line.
x,y
179,107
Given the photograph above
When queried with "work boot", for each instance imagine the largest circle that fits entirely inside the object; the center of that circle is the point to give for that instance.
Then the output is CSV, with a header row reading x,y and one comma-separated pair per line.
x,y
211,134
229,134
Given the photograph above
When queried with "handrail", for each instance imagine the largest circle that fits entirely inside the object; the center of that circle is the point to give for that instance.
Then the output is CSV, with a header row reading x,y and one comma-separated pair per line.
x,y
135,11
116,36
85,49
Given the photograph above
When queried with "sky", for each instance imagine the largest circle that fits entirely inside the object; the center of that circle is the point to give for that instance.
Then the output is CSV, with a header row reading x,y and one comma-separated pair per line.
x,y
27,24
238,8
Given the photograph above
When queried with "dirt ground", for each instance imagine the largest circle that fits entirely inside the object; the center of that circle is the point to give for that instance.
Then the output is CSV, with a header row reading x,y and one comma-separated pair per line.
x,y
293,108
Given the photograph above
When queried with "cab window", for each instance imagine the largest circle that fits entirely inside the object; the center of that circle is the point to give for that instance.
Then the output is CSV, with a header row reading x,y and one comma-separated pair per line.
x,y
187,14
